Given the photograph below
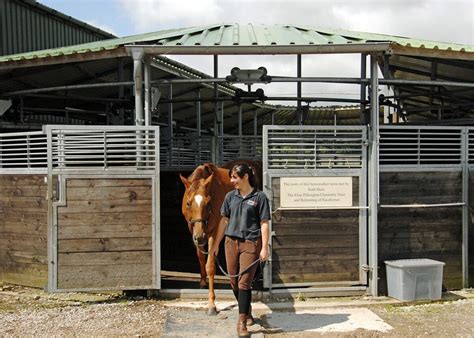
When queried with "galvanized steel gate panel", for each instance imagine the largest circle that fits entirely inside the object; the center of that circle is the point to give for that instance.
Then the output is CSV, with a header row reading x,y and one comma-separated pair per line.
x,y
103,193
316,254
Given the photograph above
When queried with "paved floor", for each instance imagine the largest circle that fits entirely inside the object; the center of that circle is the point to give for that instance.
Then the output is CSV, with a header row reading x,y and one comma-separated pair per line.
x,y
195,323
190,320
326,320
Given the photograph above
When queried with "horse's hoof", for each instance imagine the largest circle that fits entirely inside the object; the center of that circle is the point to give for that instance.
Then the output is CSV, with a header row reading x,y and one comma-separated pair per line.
x,y
203,286
212,311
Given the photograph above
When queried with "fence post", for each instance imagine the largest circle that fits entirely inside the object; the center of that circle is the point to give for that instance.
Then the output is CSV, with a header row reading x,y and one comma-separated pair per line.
x,y
465,207
373,177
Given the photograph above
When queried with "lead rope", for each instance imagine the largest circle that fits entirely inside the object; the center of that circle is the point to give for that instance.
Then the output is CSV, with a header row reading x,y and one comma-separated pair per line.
x,y
222,269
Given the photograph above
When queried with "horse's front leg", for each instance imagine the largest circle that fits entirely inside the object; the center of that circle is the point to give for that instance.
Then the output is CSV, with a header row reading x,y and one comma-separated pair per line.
x,y
202,267
211,270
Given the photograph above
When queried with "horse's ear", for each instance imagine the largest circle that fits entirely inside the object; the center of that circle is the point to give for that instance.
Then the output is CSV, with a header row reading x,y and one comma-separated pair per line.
x,y
207,181
185,181
209,168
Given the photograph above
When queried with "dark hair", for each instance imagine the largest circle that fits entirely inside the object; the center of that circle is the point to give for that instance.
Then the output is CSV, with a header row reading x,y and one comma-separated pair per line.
x,y
241,169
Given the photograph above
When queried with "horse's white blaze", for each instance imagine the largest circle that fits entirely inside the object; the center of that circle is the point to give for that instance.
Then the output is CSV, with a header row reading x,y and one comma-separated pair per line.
x,y
198,199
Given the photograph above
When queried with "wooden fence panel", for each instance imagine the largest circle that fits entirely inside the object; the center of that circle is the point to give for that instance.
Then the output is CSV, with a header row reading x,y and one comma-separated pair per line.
x,y
434,232
23,230
105,234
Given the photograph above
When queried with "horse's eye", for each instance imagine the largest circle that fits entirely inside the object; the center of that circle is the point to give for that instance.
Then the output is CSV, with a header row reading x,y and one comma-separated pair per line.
x,y
188,204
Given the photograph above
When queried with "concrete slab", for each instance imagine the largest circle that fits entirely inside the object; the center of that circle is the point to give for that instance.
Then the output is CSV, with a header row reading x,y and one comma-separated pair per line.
x,y
190,322
325,320
288,305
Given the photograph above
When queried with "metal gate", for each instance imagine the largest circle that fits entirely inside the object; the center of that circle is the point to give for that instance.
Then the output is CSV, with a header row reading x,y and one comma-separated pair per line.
x,y
316,179
103,214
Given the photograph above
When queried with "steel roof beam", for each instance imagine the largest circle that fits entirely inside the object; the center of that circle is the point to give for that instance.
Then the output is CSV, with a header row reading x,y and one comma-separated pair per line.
x,y
427,73
443,107
375,47
274,79
448,94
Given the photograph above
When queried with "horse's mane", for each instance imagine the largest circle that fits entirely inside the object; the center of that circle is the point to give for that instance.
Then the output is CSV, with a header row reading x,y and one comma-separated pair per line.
x,y
203,171
207,169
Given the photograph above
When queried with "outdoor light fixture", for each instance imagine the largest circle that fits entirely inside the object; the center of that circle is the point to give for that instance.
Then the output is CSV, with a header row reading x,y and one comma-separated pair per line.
x,y
250,96
248,76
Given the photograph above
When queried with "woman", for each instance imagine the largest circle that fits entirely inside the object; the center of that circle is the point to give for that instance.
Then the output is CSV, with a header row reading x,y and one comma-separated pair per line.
x,y
245,215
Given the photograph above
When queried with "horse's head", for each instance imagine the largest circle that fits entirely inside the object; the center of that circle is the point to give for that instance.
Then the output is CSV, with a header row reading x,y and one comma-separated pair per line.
x,y
196,208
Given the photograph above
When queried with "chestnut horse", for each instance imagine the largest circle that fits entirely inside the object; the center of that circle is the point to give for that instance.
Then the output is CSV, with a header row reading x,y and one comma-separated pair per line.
x,y
205,190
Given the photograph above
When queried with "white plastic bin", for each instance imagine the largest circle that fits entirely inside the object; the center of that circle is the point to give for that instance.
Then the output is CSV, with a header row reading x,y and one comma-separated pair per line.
x,y
412,279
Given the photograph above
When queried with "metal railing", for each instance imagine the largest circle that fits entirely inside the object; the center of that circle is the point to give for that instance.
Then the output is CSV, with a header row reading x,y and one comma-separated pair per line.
x,y
23,151
314,147
232,147
185,152
470,146
104,147
420,146
289,147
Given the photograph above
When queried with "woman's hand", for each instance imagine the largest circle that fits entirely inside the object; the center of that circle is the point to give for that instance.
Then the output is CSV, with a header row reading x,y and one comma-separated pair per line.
x,y
214,250
264,253
265,228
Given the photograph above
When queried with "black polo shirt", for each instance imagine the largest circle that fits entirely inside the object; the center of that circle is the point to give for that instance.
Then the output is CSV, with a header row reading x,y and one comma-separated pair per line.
x,y
245,214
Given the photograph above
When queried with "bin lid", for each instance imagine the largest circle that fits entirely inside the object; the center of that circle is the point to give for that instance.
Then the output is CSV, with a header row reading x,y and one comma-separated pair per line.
x,y
416,262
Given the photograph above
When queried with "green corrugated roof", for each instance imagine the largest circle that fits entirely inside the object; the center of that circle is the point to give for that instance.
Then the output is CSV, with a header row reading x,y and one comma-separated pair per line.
x,y
263,35
228,35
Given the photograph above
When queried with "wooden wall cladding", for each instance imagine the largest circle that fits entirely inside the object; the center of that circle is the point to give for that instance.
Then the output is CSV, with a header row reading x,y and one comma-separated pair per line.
x,y
315,245
434,233
105,234
105,231
23,230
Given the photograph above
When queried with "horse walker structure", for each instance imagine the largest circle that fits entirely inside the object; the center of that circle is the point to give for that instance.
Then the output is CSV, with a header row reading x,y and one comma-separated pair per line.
x,y
344,198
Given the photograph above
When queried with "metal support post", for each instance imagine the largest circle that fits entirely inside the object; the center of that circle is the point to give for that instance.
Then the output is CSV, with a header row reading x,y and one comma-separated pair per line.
x,y
255,132
241,146
220,123
298,90
22,118
363,75
255,123
147,92
465,208
221,119
215,145
170,124
138,80
198,126
373,177
121,94
240,120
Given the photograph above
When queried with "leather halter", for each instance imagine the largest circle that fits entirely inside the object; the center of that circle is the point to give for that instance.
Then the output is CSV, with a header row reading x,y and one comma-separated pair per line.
x,y
204,221
201,220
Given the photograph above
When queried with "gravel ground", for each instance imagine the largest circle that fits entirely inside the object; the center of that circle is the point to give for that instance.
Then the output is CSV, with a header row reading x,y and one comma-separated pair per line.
x,y
25,311
31,312
445,319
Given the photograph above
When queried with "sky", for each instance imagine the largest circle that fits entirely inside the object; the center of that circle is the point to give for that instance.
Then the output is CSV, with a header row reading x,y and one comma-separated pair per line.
x,y
440,20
